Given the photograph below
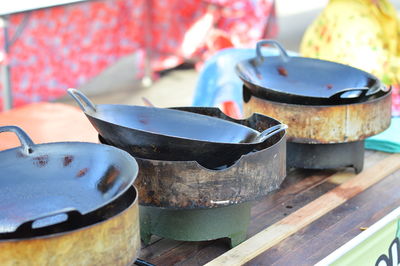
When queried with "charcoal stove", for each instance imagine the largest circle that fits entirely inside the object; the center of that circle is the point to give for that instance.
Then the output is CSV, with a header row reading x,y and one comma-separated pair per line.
x,y
325,136
330,108
183,200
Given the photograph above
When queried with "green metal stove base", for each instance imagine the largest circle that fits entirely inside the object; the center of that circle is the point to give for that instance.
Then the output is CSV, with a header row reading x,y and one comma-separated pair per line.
x,y
196,224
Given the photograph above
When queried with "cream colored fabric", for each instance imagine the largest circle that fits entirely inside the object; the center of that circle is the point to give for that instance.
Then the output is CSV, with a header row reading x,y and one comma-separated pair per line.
x,y
361,33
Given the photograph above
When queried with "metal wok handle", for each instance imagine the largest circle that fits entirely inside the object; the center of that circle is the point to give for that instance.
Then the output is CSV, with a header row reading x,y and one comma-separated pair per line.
x,y
378,88
352,93
82,100
71,213
285,57
269,132
26,141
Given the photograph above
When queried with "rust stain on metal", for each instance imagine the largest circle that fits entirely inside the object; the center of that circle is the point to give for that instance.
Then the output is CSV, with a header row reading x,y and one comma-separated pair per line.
x,y
41,161
329,123
143,121
108,179
82,172
282,71
67,160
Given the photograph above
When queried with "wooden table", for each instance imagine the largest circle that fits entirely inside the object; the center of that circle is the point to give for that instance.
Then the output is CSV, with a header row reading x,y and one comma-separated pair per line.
x,y
302,220
311,215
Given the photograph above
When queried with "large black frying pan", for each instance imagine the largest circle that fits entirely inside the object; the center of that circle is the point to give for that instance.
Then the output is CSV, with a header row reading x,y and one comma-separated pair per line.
x,y
175,135
302,80
54,179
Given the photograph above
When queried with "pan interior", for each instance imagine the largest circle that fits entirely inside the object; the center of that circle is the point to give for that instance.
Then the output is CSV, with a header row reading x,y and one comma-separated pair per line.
x,y
303,76
175,123
58,176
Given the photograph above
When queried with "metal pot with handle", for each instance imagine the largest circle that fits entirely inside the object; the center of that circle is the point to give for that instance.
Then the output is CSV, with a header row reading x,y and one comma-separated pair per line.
x,y
175,135
306,81
67,203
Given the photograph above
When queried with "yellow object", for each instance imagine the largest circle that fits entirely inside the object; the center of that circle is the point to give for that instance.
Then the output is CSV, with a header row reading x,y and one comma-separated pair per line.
x,y
361,33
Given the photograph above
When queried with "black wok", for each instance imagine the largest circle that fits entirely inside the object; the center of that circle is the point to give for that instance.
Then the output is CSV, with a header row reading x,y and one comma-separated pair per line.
x,y
175,135
47,180
301,80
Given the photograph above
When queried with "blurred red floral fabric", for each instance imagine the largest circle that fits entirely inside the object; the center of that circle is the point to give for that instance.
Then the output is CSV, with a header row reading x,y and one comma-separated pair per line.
x,y
65,46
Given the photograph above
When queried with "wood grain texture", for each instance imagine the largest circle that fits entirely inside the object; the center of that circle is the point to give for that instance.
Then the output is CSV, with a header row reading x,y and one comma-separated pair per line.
x,y
309,213
337,227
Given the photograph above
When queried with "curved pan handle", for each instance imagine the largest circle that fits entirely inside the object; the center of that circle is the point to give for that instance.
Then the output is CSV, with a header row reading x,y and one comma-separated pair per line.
x,y
353,93
34,223
285,57
350,93
26,141
377,89
82,100
269,132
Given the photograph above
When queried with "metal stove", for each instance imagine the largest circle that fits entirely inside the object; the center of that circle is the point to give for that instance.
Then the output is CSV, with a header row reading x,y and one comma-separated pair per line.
x,y
325,136
196,224
326,156
185,201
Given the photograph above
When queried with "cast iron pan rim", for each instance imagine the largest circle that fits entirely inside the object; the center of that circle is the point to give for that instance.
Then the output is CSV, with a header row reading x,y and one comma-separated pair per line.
x,y
387,94
132,163
58,234
279,142
175,137
326,62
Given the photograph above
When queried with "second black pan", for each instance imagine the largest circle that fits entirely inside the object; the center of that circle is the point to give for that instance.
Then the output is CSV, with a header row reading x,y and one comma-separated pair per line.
x,y
168,134
302,80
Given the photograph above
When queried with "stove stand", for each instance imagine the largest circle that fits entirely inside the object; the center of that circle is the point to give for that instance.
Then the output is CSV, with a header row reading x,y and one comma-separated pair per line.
x,y
326,156
196,224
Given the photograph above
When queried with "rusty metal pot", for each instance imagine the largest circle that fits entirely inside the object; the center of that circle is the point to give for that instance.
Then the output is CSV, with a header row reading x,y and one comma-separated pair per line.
x,y
108,236
325,123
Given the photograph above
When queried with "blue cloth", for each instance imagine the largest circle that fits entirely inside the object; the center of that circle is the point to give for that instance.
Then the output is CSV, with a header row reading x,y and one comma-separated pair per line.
x,y
218,81
388,140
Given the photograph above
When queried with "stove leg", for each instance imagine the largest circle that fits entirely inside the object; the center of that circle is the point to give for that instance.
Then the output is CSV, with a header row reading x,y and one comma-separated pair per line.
x,y
358,166
237,238
145,227
145,237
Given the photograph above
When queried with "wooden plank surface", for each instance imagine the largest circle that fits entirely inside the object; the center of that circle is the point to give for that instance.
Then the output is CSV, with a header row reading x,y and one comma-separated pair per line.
x,y
309,213
338,226
299,188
